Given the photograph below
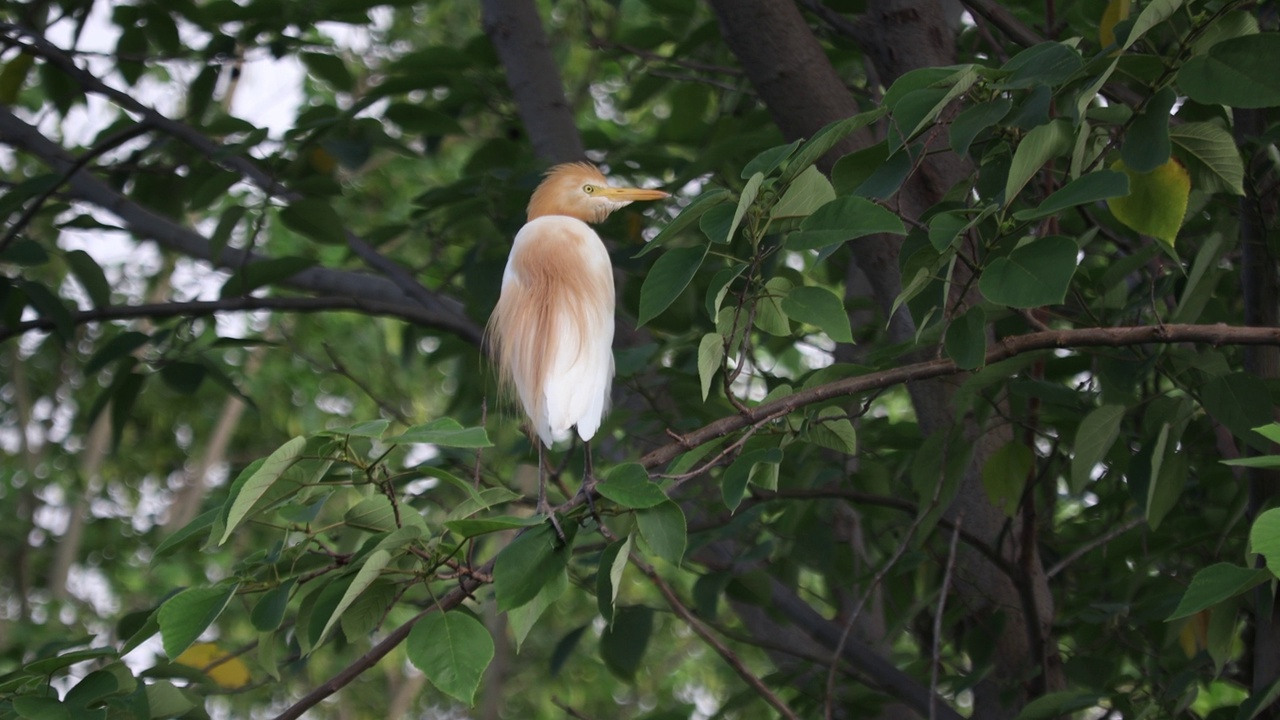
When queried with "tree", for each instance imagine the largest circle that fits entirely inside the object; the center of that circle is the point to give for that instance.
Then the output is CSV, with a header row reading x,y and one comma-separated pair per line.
x,y
944,387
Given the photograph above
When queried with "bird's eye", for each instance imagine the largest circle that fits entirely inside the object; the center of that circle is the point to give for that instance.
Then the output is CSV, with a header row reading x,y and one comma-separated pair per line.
x,y
588,189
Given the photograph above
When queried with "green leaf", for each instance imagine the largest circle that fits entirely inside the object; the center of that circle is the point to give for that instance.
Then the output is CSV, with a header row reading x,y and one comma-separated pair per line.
x,y
733,484
1039,146
121,345
629,486
710,355
668,277
844,218
1033,275
423,120
25,252
165,700
688,216
826,139
452,650
251,277
1097,433
1146,143
227,223
717,223
769,316
90,275
268,613
1214,584
184,377
369,610
1239,72
184,616
30,707
1153,14
622,645
821,308
50,307
366,429
748,196
369,571
1005,474
1090,188
1241,402
809,191
188,532
966,339
766,161
1212,156
564,649
483,526
832,429
609,576
330,69
973,120
664,528
315,219
1168,476
522,619
445,432
1057,704
267,474
1049,63
532,560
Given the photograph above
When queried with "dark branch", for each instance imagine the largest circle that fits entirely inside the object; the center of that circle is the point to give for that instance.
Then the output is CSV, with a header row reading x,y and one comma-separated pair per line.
x,y
1005,349
201,308
438,313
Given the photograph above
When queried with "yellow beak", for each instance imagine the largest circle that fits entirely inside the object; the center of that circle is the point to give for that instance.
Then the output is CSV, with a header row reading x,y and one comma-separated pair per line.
x,y
631,194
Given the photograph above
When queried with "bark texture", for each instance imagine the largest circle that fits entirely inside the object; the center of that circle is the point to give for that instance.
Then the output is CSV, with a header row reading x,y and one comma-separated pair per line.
x,y
516,31
791,73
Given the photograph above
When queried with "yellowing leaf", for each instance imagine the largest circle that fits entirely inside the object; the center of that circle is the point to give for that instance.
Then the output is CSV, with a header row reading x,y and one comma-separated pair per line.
x,y
1194,635
225,669
1116,11
1157,200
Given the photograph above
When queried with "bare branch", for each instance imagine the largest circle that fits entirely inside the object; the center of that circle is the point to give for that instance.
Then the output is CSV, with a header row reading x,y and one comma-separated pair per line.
x,y
516,31
436,311
1094,544
199,308
1009,347
685,614
212,150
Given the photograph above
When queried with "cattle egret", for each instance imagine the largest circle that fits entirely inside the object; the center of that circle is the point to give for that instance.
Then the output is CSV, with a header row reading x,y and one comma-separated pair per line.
x,y
551,333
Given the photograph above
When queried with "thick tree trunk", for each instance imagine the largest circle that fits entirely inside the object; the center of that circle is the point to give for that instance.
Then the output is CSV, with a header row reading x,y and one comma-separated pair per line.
x,y
515,29
792,75
1262,309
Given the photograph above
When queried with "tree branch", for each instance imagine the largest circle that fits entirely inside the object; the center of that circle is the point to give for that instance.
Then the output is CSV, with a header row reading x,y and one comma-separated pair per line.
x,y
197,308
436,311
517,34
699,629
246,168
1005,349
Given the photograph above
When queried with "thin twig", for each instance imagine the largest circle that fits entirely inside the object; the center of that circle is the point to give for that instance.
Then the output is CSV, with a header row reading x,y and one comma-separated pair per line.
x,y
114,141
710,639
936,655
903,544
197,308
1093,544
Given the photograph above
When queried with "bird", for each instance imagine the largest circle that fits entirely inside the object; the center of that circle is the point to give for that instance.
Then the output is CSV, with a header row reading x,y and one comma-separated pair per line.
x,y
551,333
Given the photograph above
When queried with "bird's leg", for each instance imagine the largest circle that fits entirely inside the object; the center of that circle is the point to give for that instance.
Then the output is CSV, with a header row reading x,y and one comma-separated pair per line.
x,y
544,508
589,480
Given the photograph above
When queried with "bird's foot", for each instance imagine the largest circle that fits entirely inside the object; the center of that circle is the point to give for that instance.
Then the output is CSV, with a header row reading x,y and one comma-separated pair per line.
x,y
588,491
544,508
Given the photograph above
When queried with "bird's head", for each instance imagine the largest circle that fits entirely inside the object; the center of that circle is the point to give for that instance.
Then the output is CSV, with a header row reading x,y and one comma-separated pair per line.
x,y
581,191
